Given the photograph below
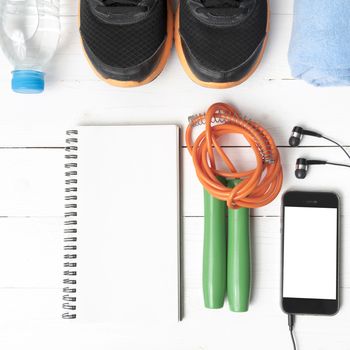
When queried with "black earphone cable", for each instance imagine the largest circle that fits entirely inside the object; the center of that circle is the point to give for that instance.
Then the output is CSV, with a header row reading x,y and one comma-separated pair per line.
x,y
338,164
338,144
293,340
291,321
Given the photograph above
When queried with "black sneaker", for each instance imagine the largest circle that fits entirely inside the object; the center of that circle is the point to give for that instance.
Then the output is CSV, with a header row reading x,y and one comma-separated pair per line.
x,y
221,42
127,42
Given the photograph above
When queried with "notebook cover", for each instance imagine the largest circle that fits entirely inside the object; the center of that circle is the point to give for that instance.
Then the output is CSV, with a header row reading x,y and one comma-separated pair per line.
x,y
128,227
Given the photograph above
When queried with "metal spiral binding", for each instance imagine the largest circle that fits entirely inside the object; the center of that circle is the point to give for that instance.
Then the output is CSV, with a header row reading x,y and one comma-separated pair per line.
x,y
70,224
222,117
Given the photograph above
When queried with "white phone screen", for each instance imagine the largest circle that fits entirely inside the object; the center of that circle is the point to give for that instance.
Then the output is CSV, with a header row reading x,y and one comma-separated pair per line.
x,y
310,253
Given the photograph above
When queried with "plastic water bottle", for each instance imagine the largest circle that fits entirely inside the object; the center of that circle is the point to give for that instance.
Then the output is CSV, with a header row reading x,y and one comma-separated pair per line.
x,y
29,34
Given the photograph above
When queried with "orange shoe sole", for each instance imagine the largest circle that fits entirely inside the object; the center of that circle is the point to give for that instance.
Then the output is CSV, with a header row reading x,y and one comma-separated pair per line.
x,y
162,62
213,85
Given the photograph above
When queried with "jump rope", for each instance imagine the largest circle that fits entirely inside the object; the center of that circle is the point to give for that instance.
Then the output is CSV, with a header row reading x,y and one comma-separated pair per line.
x,y
228,192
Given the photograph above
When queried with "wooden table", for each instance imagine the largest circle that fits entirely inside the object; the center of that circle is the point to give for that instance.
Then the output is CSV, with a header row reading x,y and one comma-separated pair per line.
x,y
31,198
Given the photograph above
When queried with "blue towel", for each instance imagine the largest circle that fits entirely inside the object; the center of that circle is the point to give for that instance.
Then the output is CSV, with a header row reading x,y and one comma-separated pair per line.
x,y
319,51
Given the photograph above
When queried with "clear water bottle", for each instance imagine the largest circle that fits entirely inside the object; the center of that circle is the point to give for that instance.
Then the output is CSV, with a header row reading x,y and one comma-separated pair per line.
x,y
29,34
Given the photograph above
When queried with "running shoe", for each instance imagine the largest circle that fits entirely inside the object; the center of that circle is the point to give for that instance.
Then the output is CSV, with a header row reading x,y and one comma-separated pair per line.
x,y
127,42
221,42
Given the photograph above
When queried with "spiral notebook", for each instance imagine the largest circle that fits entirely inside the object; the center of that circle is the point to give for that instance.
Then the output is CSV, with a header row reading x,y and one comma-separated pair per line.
x,y
122,228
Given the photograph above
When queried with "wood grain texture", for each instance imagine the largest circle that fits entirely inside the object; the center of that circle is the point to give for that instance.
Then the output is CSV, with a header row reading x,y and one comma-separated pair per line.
x,y
30,311
31,202
34,248
33,181
74,95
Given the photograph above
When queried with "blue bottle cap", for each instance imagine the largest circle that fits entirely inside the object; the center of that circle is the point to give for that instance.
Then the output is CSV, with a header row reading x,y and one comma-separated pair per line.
x,y
28,81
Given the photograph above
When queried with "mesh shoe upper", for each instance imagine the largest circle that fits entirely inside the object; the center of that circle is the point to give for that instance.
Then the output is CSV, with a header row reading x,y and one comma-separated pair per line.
x,y
220,47
126,44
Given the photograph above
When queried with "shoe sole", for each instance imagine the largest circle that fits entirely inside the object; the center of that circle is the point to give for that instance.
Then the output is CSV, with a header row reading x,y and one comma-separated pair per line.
x,y
157,70
208,84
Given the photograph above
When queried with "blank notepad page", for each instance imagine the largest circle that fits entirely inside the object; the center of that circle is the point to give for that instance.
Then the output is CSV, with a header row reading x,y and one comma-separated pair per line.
x,y
128,224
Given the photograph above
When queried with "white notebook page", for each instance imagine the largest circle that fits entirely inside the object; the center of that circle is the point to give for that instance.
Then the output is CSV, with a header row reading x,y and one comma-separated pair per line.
x,y
128,224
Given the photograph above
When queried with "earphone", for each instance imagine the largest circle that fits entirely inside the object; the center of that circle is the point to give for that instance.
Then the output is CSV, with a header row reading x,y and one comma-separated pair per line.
x,y
297,135
302,165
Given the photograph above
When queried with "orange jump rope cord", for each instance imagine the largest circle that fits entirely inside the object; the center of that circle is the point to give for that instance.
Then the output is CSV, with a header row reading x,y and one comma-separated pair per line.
x,y
259,186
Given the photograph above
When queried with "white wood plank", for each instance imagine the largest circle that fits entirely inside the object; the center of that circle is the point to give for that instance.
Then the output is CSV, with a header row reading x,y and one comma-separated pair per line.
x,y
31,253
32,313
24,307
282,7
35,245
74,95
32,182
320,178
278,105
68,8
264,326
264,309
266,251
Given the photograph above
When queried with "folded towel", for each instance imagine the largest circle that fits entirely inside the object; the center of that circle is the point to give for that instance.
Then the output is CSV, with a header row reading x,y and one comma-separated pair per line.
x,y
319,50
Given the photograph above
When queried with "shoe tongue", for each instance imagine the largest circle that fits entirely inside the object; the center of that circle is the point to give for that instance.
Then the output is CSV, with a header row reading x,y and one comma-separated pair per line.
x,y
226,8
123,7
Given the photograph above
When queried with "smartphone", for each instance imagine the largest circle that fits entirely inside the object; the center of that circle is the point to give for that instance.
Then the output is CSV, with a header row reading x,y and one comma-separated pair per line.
x,y
310,253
